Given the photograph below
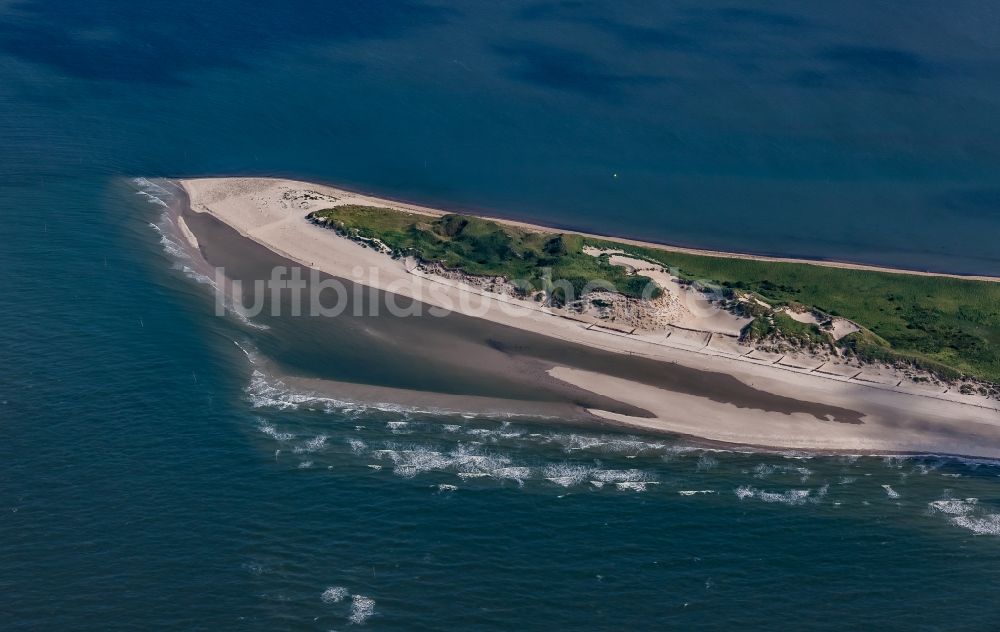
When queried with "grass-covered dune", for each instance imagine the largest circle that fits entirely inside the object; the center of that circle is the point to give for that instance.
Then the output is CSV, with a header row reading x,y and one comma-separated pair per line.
x,y
483,247
945,324
928,319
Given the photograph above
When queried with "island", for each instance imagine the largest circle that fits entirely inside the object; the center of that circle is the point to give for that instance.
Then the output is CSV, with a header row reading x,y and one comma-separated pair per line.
x,y
915,354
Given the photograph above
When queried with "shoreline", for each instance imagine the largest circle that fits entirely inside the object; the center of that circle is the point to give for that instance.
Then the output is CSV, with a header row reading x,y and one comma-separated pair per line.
x,y
894,420
418,208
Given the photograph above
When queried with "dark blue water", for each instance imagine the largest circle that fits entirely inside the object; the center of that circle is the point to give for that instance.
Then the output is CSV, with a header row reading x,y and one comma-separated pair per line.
x,y
149,480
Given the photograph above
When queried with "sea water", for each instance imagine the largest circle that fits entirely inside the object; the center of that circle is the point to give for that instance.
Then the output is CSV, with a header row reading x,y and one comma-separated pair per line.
x,y
150,478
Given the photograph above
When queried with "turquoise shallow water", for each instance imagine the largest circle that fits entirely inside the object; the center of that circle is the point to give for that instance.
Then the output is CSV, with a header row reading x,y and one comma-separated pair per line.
x,y
149,480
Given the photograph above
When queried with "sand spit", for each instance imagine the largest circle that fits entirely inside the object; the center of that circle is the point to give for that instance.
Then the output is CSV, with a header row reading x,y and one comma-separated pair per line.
x,y
896,415
928,430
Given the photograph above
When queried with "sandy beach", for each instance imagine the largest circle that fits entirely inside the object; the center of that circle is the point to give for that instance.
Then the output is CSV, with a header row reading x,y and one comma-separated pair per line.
x,y
877,411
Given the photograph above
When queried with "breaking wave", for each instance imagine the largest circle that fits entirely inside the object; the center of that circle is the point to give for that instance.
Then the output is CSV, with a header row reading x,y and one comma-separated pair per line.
x,y
153,192
361,609
788,497
566,474
273,432
968,514
334,594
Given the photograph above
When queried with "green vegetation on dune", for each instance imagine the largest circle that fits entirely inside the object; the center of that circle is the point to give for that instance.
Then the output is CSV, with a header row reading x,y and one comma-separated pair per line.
x,y
482,247
944,324
948,325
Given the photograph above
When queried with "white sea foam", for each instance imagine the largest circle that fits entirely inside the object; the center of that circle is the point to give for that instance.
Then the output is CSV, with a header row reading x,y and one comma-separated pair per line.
x,y
692,492
147,185
198,277
273,432
444,487
315,444
494,433
763,470
890,492
470,460
170,246
263,393
788,497
606,444
409,463
334,594
988,524
506,431
954,506
566,474
634,486
671,451
623,476
519,474
361,608
575,442
151,191
631,446
232,307
968,514
305,465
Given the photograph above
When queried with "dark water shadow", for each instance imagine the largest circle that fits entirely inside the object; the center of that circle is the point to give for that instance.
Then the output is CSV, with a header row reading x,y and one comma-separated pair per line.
x,y
156,42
